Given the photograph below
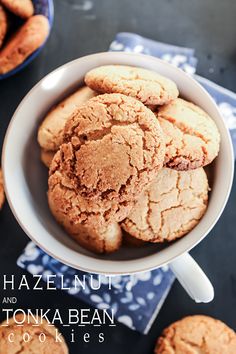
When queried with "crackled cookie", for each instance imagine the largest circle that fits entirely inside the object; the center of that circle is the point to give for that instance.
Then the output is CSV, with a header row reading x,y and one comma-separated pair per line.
x,y
2,194
28,38
50,133
197,335
96,238
3,24
33,328
142,84
170,207
192,138
21,8
113,148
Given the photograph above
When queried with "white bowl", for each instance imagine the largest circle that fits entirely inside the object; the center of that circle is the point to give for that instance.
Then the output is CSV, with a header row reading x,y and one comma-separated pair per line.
x,y
26,178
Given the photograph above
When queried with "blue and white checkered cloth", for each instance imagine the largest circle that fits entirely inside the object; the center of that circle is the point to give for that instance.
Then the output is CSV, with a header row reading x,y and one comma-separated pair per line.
x,y
137,299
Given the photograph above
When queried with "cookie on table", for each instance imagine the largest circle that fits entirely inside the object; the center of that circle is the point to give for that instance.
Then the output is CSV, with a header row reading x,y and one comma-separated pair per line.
x,y
28,38
34,345
21,8
142,84
197,334
113,148
2,194
170,207
50,133
3,24
192,137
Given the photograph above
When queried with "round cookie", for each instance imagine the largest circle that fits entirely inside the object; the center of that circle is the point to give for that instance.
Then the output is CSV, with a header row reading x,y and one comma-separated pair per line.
x,y
145,85
170,207
3,24
50,133
50,346
99,238
2,194
195,335
21,8
114,147
28,38
192,138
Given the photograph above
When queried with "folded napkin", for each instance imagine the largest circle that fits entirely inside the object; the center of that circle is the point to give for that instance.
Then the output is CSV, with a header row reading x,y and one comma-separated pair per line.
x,y
135,300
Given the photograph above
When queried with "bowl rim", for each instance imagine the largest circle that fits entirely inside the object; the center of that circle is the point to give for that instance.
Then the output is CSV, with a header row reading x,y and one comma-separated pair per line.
x,y
29,59
104,266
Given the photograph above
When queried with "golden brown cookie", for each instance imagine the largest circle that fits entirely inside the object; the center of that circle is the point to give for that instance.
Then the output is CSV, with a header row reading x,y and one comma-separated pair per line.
x,y
142,84
192,137
2,194
114,147
22,8
50,133
3,24
33,328
28,38
197,335
98,239
46,157
170,207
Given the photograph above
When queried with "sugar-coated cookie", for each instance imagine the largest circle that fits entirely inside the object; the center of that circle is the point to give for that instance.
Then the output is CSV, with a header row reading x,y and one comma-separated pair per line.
x,y
3,24
142,84
33,328
113,148
170,207
50,133
197,335
192,137
2,194
28,38
21,8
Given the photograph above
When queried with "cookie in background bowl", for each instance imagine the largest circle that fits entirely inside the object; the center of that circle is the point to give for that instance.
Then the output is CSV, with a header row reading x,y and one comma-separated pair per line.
x,y
3,24
21,54
197,334
25,41
21,8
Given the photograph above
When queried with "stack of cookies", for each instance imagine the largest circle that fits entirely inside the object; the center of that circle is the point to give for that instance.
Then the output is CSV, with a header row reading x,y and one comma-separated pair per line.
x,y
126,153
17,42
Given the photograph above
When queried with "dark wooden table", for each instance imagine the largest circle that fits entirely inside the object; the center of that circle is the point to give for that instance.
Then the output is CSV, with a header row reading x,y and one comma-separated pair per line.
x,y
209,27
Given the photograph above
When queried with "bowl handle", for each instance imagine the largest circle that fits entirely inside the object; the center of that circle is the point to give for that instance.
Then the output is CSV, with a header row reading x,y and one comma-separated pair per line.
x,y
192,278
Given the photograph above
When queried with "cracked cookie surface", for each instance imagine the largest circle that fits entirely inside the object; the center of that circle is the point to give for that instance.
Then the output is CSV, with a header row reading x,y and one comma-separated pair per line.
x,y
3,24
2,194
21,8
170,207
98,238
145,85
27,39
50,133
113,148
192,138
197,335
50,346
